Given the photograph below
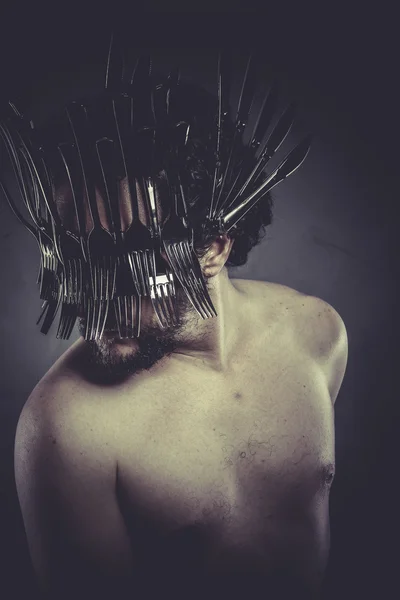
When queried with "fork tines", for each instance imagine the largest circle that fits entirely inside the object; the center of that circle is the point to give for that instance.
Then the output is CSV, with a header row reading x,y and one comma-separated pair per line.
x,y
127,299
243,111
164,300
72,294
128,312
103,273
183,263
139,261
49,265
50,306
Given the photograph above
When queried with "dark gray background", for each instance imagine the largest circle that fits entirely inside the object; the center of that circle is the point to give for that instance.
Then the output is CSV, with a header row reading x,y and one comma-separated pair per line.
x,y
334,236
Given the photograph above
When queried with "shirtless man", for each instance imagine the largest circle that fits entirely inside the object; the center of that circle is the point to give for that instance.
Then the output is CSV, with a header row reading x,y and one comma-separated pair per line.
x,y
192,462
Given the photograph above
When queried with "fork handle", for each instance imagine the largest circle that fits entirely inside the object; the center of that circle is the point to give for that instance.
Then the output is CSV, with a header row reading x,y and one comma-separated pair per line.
x,y
118,119
69,160
17,168
149,194
106,156
38,182
78,120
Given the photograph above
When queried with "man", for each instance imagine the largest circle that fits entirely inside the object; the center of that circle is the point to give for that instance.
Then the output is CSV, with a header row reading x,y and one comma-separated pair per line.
x,y
196,459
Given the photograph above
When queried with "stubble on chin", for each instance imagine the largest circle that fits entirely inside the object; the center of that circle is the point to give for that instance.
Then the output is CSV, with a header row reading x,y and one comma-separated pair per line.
x,y
105,363
111,359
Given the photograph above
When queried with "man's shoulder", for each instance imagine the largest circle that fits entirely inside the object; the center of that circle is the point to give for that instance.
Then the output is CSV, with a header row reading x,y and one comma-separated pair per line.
x,y
58,385
309,309
60,402
278,301
315,328
317,325
270,290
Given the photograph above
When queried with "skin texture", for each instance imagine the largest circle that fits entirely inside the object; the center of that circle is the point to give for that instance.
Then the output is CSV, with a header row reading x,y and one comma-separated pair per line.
x,y
208,474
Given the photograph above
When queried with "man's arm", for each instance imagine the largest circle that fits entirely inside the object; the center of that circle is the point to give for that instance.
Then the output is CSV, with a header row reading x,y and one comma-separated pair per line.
x,y
338,359
337,349
327,337
66,486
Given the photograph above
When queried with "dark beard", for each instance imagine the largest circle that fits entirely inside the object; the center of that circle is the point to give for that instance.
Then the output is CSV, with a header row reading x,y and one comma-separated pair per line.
x,y
103,364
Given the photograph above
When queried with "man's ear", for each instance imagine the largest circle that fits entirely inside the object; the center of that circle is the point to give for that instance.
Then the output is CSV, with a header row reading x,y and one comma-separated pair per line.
x,y
216,256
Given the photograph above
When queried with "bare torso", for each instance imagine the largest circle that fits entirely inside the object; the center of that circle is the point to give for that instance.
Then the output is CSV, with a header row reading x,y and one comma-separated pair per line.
x,y
223,477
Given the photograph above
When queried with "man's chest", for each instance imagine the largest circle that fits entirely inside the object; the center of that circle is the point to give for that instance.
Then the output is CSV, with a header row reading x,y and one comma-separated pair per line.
x,y
241,459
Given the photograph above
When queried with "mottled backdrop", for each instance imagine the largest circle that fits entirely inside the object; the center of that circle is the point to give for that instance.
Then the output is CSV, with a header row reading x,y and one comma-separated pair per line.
x,y
335,235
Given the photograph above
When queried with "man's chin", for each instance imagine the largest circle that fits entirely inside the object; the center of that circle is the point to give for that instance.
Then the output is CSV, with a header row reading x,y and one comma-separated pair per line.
x,y
113,359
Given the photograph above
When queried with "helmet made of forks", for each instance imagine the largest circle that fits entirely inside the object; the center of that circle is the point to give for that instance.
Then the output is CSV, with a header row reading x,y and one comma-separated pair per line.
x,y
137,122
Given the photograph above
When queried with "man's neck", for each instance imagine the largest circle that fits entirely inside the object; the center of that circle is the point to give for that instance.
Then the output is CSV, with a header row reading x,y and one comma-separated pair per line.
x,y
211,340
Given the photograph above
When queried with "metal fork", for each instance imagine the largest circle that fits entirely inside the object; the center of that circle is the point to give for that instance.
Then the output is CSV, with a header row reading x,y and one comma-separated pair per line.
x,y
186,267
48,267
66,244
163,298
48,259
48,280
51,305
72,285
177,239
61,272
140,240
52,275
159,286
126,301
162,289
268,149
102,251
50,256
70,253
242,117
289,164
36,189
135,256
